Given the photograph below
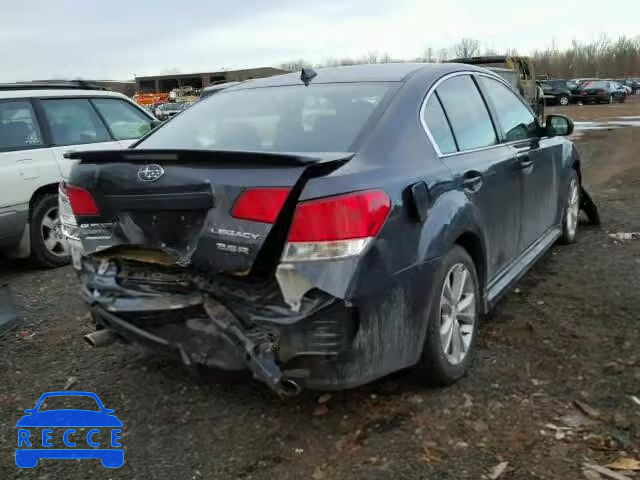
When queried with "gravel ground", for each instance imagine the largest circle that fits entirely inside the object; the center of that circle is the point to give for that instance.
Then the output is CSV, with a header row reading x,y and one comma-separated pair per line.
x,y
557,366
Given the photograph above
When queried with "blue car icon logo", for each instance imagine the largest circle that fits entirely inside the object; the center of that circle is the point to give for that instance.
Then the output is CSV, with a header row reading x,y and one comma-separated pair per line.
x,y
67,433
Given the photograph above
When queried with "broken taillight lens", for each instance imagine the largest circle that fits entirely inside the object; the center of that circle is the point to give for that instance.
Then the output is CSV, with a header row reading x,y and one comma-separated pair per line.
x,y
336,227
81,201
260,204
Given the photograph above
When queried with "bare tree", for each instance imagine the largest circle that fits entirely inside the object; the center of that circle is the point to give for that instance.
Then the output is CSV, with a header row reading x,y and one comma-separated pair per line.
x,y
295,65
385,58
443,54
603,57
429,55
467,47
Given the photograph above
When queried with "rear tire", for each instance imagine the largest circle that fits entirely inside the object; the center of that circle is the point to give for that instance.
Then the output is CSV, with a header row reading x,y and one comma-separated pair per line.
x,y
571,210
49,248
453,320
563,100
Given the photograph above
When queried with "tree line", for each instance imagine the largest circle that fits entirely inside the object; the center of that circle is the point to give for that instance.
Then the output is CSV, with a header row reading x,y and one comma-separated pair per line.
x,y
603,57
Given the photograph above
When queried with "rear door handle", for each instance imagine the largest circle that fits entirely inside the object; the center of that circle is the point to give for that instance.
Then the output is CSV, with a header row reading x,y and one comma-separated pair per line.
x,y
472,181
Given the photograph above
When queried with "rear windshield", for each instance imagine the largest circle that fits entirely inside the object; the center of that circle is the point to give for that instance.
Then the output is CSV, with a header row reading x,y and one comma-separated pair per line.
x,y
295,118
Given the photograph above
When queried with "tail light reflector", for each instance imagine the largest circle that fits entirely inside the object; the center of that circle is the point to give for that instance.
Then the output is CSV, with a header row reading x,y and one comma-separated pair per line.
x,y
260,204
82,203
336,227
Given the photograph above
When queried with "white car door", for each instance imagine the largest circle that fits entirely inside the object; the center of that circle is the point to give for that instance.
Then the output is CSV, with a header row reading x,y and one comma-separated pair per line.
x,y
25,165
74,125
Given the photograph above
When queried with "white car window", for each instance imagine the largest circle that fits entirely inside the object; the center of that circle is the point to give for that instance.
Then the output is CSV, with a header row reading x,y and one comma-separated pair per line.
x,y
73,121
125,121
18,126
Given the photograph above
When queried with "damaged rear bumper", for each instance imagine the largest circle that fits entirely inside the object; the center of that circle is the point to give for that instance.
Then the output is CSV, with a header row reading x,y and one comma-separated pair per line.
x,y
283,349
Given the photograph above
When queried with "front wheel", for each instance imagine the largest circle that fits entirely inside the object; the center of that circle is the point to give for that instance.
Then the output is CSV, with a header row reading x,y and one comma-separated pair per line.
x,y
453,320
571,211
49,247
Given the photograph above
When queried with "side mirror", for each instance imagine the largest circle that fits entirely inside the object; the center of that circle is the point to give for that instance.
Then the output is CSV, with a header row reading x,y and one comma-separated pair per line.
x,y
558,126
29,411
155,123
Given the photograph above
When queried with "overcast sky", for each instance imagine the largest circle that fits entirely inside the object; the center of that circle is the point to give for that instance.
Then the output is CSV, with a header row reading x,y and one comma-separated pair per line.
x,y
117,39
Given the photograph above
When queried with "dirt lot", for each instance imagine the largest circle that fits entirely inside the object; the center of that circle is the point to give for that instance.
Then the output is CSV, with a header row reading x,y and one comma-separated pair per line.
x,y
569,332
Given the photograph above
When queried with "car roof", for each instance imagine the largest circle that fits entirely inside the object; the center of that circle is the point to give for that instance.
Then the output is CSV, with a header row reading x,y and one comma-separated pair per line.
x,y
219,86
55,92
379,72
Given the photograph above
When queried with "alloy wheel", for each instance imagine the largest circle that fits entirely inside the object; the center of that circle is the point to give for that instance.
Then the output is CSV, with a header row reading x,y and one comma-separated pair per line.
x,y
52,236
457,313
573,208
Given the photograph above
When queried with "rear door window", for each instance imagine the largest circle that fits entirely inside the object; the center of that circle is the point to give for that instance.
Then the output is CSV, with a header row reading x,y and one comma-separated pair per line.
x,y
73,121
437,123
18,126
515,119
124,120
467,113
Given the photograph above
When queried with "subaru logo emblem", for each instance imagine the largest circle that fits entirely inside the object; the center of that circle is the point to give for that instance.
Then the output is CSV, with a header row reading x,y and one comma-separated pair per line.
x,y
150,173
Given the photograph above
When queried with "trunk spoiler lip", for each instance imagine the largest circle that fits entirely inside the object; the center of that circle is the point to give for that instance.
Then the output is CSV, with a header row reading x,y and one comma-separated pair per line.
x,y
228,157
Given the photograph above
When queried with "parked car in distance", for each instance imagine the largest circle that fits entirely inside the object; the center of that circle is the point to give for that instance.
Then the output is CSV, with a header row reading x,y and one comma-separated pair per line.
x,y
39,123
168,110
600,91
632,83
584,80
558,92
627,90
376,246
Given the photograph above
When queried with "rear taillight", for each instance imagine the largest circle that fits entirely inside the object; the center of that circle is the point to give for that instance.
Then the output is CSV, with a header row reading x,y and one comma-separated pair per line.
x,y
81,201
260,204
336,227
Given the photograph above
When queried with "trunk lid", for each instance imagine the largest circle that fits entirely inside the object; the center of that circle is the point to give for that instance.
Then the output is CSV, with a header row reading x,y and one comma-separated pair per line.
x,y
180,202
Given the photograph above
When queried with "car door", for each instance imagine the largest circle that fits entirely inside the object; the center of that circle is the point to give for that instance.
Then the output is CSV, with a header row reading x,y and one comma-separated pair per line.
x,y
538,159
548,91
73,125
125,121
483,169
619,90
25,165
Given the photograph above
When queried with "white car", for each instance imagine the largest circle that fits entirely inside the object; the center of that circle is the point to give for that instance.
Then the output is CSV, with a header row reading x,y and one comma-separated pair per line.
x,y
39,123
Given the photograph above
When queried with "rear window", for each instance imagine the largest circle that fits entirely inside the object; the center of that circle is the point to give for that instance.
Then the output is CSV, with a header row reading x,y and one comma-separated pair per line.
x,y
318,118
595,84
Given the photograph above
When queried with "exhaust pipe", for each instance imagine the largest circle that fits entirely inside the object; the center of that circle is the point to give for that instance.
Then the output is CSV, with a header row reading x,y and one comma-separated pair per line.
x,y
289,388
100,338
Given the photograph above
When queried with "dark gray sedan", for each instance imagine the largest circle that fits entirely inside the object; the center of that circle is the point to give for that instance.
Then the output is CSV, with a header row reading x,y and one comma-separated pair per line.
x,y
325,229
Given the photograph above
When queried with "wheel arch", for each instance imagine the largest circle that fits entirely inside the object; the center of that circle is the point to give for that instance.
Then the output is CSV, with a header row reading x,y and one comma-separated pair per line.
x,y
472,244
50,188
